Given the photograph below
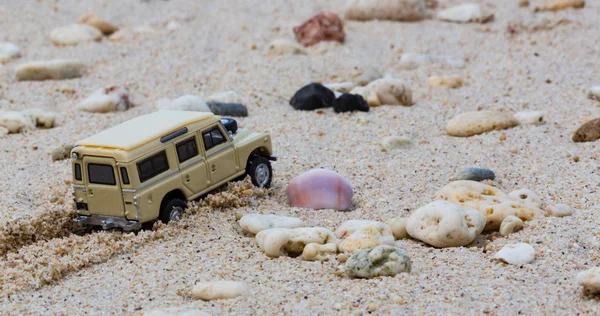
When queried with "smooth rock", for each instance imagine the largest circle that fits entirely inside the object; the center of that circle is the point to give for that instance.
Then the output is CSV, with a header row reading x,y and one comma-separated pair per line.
x,y
449,81
314,251
344,87
362,76
588,132
369,95
593,92
228,109
284,47
367,237
382,260
15,122
216,290
526,196
590,280
468,12
392,92
410,61
557,5
510,224
41,118
559,210
311,97
493,203
224,97
184,103
475,174
530,117
57,69
74,34
320,189
520,253
114,98
398,10
349,103
325,26
398,227
395,142
479,122
61,153
254,223
8,51
132,33
350,226
278,241
93,20
443,224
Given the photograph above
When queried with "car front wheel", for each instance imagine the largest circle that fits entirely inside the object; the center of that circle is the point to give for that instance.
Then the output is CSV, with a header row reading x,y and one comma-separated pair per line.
x,y
260,171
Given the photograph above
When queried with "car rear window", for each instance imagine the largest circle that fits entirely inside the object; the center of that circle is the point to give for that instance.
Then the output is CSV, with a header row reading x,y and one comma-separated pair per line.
x,y
152,166
101,174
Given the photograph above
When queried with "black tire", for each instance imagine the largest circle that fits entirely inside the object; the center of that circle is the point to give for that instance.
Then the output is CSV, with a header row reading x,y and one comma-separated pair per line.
x,y
166,212
260,171
230,124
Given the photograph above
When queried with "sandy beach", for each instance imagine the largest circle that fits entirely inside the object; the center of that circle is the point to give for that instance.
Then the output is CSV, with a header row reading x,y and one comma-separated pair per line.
x,y
213,46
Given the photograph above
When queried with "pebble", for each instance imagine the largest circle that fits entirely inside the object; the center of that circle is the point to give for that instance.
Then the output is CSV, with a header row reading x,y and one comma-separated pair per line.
x,y
443,224
344,87
557,5
382,260
559,210
367,237
350,102
398,227
588,132
184,103
61,153
57,69
476,174
216,290
284,47
398,10
93,20
229,96
478,122
449,81
362,76
15,122
518,254
228,109
114,98
350,226
325,26
368,94
410,61
254,223
590,280
311,97
593,92
510,224
468,12
132,33
526,196
493,203
320,189
74,34
530,117
318,252
395,142
392,92
278,241
8,51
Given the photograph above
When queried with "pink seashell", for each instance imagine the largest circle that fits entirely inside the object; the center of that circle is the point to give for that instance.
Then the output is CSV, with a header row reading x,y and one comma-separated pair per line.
x,y
320,189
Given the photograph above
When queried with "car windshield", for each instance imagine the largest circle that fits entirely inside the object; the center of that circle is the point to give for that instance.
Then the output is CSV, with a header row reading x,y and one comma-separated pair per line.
x,y
101,174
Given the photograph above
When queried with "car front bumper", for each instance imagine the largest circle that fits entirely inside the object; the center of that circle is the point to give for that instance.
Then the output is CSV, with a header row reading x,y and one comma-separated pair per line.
x,y
107,222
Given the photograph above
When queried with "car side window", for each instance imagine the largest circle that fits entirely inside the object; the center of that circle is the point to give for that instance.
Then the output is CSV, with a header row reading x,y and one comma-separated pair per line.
x,y
212,138
187,149
152,166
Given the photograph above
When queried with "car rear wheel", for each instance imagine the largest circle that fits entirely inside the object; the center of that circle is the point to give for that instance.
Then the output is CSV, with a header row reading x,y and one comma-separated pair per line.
x,y
260,171
172,210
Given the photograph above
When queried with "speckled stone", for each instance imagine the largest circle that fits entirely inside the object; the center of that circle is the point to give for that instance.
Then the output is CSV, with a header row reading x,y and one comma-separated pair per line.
x,y
379,261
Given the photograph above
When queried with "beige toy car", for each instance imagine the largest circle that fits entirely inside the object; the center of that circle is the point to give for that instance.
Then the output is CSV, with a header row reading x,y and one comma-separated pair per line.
x,y
149,167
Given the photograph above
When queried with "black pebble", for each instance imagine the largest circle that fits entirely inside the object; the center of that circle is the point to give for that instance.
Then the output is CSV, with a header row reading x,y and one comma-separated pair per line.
x,y
228,109
476,174
350,102
311,97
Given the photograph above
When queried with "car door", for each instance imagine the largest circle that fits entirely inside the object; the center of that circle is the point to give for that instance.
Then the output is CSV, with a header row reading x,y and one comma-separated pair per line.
x,y
104,196
220,154
192,165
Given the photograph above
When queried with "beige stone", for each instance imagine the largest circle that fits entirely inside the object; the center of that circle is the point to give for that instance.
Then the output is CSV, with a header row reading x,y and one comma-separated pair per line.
x,y
510,224
74,34
368,93
479,122
283,47
468,12
557,5
57,69
216,290
278,241
93,20
15,122
348,227
314,251
392,91
398,227
395,142
530,117
559,210
520,253
590,280
400,10
368,237
448,81
255,223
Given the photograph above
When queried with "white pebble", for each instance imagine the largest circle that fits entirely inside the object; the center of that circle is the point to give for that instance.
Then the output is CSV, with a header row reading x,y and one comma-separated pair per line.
x,y
367,237
314,251
184,103
510,225
284,47
392,91
224,96
520,253
350,226
277,241
399,10
530,117
254,223
41,118
479,122
216,290
74,34
398,226
468,12
8,51
559,210
395,142
15,122
115,98
57,69
589,279
448,81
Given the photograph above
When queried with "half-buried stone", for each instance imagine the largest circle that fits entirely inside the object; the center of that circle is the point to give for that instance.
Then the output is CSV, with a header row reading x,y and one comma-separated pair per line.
x,y
588,132
475,174
312,96
255,223
382,260
350,102
57,69
278,241
320,189
228,109
479,122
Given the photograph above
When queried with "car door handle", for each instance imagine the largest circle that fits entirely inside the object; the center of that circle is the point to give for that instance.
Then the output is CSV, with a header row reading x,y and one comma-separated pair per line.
x,y
187,178
213,167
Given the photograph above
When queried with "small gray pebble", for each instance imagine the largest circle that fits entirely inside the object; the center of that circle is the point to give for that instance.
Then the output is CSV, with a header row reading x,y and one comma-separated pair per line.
x,y
228,109
476,174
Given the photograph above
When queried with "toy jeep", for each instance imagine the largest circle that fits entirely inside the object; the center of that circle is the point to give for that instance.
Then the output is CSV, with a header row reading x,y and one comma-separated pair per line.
x,y
147,168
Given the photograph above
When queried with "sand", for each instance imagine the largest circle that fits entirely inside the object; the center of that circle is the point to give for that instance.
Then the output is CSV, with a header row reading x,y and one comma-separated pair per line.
x,y
220,46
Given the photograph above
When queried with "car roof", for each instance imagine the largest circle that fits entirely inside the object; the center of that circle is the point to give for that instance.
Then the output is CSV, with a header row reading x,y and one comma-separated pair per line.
x,y
143,129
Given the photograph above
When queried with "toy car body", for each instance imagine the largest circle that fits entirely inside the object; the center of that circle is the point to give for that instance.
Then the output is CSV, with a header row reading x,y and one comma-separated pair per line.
x,y
149,167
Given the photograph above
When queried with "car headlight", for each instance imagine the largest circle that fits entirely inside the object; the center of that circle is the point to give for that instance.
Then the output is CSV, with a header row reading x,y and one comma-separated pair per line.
x,y
75,156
